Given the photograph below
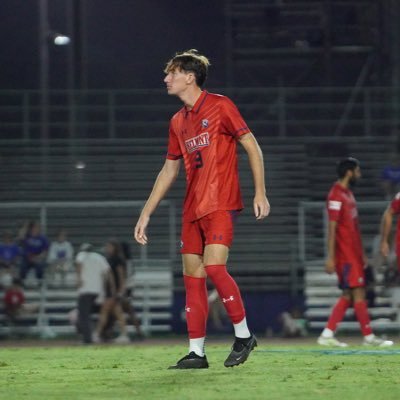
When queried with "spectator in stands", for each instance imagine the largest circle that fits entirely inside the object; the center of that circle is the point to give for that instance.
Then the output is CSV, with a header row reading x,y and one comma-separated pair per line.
x,y
390,177
346,257
14,301
217,312
9,254
94,273
61,255
35,246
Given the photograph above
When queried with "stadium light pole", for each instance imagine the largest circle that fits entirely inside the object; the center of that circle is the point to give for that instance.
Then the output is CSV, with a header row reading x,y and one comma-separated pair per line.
x,y
44,71
46,36
44,86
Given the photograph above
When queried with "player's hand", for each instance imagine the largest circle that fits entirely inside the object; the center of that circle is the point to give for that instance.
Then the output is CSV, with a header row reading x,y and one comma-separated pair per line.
x,y
365,261
261,207
330,265
140,230
385,250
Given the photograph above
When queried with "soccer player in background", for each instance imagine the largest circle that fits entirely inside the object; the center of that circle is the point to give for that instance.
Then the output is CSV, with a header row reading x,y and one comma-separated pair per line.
x,y
346,256
386,227
205,133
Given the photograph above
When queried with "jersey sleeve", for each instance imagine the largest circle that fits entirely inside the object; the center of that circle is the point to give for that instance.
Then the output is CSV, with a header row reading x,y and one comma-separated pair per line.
x,y
80,257
334,207
174,150
232,122
395,204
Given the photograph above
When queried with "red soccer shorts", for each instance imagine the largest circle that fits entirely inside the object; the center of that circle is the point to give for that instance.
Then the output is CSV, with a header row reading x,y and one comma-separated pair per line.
x,y
214,228
350,275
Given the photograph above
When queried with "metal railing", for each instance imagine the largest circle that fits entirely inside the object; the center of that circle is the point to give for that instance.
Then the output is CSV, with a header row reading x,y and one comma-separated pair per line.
x,y
281,111
313,221
69,215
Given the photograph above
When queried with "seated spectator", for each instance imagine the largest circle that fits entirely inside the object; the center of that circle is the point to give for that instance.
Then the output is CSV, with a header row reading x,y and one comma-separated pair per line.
x,y
9,254
60,256
34,245
217,312
390,177
14,301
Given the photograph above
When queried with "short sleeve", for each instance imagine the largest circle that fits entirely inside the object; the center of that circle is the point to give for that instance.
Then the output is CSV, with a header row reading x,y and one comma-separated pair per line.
x,y
334,207
174,150
395,204
232,122
80,257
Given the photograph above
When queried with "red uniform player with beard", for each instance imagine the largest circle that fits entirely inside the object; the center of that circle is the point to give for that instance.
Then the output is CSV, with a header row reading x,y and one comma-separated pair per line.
x,y
346,256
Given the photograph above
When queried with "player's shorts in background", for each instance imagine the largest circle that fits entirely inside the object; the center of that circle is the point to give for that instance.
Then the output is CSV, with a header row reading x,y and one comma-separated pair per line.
x,y
350,275
214,228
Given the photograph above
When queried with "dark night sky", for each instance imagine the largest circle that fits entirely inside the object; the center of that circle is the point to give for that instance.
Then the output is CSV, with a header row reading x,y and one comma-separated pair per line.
x,y
128,41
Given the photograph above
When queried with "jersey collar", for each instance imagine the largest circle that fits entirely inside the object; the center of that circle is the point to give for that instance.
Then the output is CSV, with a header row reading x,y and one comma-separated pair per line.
x,y
197,106
341,188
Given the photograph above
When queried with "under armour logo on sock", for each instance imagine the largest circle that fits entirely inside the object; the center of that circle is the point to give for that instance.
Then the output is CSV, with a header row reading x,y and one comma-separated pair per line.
x,y
187,309
230,298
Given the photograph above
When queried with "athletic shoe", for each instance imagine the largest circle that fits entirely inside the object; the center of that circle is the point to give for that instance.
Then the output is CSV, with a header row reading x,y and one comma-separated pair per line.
x,y
122,339
191,361
377,341
96,338
333,342
240,351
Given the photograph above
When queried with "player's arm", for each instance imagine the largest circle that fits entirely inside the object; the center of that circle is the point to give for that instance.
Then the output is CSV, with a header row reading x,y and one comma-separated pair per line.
x,y
260,203
386,227
79,274
164,181
330,261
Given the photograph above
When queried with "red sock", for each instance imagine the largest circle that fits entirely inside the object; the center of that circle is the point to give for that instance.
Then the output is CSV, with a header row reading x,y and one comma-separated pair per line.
x,y
361,311
228,292
337,313
196,306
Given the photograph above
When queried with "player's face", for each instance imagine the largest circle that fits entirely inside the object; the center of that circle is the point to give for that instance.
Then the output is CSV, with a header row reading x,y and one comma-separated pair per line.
x,y
176,81
356,175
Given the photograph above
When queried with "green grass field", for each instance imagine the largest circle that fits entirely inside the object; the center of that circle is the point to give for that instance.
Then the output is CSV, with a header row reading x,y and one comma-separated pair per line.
x,y
139,372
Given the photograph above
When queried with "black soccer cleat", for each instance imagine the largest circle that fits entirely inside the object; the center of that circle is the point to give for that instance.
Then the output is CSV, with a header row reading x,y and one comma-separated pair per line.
x,y
191,361
240,351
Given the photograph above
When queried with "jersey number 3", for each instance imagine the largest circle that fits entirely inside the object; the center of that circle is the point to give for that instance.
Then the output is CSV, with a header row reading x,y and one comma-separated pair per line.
x,y
198,160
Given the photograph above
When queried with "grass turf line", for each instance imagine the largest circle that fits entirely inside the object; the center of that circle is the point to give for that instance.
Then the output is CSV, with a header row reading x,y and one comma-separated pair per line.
x,y
130,372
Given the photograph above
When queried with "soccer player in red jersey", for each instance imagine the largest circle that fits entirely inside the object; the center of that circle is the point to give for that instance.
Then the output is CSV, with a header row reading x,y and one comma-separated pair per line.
x,y
386,226
346,256
205,133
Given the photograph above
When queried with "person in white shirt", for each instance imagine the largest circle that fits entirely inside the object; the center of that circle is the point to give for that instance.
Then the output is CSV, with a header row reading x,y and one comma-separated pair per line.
x,y
60,256
94,273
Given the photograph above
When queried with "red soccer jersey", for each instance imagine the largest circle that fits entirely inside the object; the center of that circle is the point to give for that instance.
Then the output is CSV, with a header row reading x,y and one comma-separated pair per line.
x,y
205,137
342,208
395,206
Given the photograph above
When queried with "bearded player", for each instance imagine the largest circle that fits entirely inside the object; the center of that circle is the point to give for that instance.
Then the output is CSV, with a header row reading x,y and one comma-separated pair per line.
x,y
346,256
204,134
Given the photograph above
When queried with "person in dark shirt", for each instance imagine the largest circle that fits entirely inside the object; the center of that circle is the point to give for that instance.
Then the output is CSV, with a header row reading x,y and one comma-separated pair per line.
x,y
117,263
35,246
9,253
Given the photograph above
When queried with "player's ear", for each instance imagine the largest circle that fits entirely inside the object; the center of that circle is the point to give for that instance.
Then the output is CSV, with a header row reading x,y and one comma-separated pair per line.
x,y
190,78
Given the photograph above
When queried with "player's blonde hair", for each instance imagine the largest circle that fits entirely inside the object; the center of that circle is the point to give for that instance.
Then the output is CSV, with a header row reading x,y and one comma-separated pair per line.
x,y
190,61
